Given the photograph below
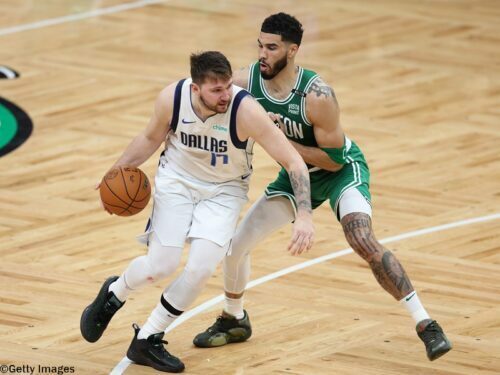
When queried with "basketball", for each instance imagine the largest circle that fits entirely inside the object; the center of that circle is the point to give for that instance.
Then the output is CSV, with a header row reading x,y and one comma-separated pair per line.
x,y
125,191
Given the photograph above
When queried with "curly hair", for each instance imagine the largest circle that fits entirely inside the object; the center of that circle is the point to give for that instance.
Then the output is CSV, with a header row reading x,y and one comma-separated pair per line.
x,y
285,25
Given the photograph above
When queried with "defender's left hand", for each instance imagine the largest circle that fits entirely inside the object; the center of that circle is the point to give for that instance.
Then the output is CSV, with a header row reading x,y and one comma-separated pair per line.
x,y
302,235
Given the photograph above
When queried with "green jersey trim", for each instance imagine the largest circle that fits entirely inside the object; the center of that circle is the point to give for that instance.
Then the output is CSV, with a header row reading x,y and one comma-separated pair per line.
x,y
289,97
250,77
279,193
303,101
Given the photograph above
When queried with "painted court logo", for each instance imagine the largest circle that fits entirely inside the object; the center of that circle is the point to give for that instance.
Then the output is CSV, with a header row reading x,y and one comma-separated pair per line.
x,y
15,126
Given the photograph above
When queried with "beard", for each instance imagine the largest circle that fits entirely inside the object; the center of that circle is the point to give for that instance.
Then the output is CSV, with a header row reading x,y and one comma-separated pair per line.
x,y
274,70
215,107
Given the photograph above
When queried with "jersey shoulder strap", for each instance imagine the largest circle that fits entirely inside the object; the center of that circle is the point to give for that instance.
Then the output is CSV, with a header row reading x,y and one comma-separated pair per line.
x,y
253,85
307,79
177,105
232,122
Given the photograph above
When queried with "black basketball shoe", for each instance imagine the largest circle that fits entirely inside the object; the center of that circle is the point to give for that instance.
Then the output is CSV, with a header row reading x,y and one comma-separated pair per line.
x,y
96,316
436,342
151,352
226,330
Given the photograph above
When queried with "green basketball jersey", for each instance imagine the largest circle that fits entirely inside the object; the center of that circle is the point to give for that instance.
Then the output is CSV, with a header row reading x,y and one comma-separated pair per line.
x,y
291,110
325,185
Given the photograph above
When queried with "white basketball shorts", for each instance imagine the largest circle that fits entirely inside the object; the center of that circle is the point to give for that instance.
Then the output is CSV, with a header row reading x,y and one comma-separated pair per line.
x,y
185,207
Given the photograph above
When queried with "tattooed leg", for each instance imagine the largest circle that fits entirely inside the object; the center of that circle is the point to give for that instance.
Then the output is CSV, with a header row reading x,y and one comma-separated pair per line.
x,y
386,268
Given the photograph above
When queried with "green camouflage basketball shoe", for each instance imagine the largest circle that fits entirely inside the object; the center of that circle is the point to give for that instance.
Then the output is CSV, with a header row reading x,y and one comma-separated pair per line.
x,y
226,330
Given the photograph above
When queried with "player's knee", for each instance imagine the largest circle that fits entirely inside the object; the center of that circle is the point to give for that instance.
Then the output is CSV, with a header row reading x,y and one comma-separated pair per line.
x,y
198,275
237,251
231,261
243,239
366,246
162,260
162,270
372,256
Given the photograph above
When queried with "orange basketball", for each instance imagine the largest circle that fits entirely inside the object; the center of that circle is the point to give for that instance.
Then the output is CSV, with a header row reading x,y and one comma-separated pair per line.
x,y
125,191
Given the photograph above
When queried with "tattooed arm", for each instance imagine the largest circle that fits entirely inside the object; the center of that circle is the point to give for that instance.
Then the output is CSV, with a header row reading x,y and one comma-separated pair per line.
x,y
252,121
323,112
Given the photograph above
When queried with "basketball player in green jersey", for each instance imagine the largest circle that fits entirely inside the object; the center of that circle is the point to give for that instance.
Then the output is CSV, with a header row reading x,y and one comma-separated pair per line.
x,y
306,110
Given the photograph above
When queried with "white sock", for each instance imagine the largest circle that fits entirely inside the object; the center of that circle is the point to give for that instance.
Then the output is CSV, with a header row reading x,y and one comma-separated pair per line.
x,y
157,322
414,307
120,288
234,306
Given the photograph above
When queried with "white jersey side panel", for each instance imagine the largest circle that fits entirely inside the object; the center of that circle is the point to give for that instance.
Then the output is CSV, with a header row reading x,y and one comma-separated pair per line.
x,y
207,150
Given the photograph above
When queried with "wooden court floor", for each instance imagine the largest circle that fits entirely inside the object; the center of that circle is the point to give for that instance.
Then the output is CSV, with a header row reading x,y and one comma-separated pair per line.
x,y
418,83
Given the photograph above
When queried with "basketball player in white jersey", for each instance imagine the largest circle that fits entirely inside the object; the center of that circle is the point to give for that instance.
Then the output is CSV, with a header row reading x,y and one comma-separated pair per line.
x,y
208,126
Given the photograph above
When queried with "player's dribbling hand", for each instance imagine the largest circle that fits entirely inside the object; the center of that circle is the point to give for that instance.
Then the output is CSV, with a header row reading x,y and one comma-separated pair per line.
x,y
97,187
302,235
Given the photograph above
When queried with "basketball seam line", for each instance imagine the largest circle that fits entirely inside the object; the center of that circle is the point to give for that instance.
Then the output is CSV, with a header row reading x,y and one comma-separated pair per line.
x,y
125,183
112,205
138,187
113,192
137,192
126,190
140,200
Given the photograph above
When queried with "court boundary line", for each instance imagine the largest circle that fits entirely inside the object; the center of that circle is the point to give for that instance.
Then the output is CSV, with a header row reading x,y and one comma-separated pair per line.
x,y
78,16
125,362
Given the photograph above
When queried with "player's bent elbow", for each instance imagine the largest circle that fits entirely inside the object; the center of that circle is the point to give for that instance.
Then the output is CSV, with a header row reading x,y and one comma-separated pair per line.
x,y
333,167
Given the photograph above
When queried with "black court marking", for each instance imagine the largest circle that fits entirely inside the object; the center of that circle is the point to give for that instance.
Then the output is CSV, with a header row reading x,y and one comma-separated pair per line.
x,y
8,73
15,125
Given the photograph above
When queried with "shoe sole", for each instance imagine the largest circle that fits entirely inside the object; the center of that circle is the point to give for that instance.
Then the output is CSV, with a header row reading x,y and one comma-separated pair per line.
x,y
101,296
443,352
152,365
221,341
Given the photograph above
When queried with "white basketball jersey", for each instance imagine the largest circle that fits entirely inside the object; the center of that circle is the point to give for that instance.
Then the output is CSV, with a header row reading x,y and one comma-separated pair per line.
x,y
207,150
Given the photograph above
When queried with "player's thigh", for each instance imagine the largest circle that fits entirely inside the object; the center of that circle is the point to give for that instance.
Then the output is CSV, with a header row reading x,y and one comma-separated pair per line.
x,y
353,201
215,218
172,211
353,178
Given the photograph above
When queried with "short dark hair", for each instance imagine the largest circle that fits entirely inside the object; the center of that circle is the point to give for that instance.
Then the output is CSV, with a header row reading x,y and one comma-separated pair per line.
x,y
285,25
209,64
